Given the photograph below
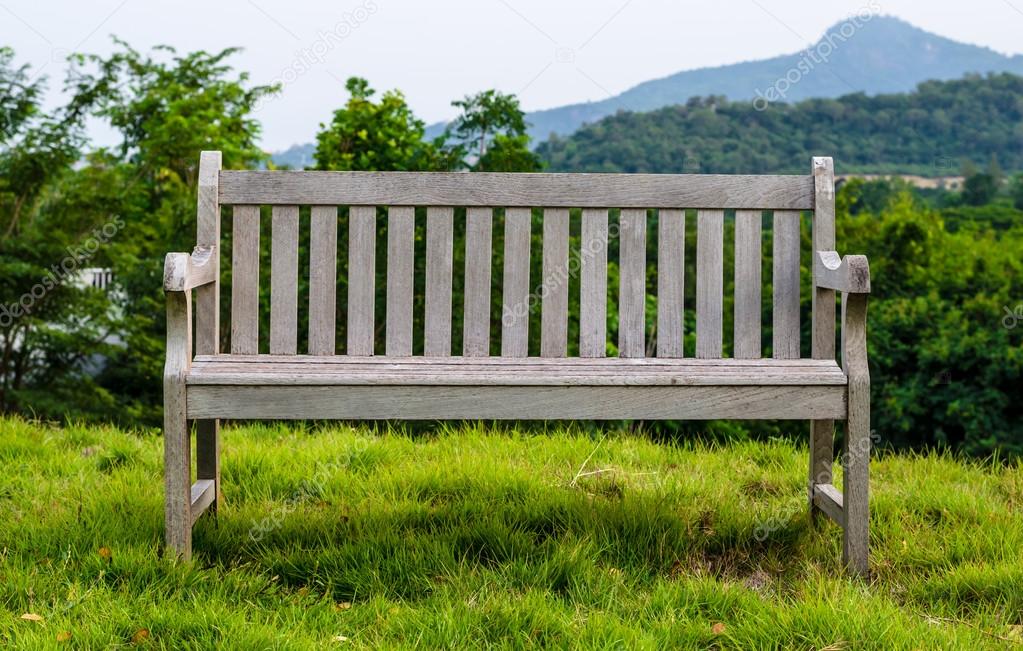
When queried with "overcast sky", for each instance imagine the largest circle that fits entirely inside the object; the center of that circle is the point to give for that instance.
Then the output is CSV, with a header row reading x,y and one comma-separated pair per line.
x,y
548,52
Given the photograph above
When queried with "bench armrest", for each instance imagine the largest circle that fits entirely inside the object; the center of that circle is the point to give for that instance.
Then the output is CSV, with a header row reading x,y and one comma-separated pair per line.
x,y
183,272
849,274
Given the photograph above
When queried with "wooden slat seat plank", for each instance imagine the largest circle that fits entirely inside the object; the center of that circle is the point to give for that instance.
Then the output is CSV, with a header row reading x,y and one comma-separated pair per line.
x,y
471,371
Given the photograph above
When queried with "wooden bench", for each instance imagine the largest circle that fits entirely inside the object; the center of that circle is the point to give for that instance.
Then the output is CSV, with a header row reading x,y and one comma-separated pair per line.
x,y
281,383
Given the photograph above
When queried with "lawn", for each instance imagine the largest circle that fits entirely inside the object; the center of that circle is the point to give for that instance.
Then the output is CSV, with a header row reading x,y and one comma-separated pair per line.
x,y
482,536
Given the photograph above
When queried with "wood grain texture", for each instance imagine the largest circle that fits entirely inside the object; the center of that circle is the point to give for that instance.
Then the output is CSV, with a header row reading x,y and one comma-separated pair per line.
x,y
517,189
322,280
207,298
786,285
362,233
245,280
479,229
202,497
856,448
515,288
844,274
671,230
284,280
554,288
510,402
746,330
823,325
632,284
176,443
207,304
593,283
709,282
822,337
822,443
471,371
183,272
439,250
828,500
400,256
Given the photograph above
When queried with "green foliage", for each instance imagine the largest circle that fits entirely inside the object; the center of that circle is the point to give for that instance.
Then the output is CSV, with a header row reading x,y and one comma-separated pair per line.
x,y
927,131
479,537
1016,191
492,129
384,135
50,323
979,189
82,351
944,368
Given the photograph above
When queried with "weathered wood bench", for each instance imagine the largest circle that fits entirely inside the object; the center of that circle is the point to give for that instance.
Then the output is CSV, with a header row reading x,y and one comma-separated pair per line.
x,y
247,383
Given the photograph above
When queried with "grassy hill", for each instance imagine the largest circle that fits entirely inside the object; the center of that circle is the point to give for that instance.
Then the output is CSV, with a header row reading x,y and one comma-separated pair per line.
x,y
473,536
929,132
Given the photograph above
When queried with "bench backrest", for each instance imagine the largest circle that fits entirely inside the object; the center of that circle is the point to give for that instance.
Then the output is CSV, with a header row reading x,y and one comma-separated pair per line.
x,y
507,217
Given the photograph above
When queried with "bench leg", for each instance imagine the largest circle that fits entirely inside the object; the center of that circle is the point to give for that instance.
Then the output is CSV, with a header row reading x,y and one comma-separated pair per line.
x,y
177,468
822,443
207,458
856,477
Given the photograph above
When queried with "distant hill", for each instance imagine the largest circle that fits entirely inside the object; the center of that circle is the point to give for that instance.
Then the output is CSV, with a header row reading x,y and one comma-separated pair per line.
x,y
296,156
881,55
932,132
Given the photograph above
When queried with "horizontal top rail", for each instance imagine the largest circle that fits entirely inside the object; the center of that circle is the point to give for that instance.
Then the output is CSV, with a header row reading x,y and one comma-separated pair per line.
x,y
756,192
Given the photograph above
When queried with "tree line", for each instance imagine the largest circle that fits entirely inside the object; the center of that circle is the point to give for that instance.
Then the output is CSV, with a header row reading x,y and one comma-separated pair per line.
x,y
946,357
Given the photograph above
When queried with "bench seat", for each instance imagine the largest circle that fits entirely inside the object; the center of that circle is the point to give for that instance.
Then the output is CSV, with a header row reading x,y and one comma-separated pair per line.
x,y
380,387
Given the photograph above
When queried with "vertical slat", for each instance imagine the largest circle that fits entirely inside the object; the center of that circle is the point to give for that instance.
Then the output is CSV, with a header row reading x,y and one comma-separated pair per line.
x,y
786,284
207,310
400,251
632,284
478,253
671,229
284,280
554,290
709,282
207,297
515,288
593,284
245,281
439,225
362,232
322,280
747,284
822,432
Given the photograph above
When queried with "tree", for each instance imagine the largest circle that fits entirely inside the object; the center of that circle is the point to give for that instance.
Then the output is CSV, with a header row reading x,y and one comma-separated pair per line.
x,y
376,136
50,323
1016,190
166,108
979,188
492,128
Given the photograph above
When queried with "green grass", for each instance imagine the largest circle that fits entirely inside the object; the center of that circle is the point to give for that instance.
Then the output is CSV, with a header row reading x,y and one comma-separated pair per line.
x,y
475,537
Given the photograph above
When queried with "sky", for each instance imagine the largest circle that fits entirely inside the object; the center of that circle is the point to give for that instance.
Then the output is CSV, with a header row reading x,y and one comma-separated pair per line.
x,y
548,52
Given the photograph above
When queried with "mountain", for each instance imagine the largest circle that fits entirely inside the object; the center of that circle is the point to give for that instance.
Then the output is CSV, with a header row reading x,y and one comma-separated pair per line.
x,y
933,131
881,54
295,157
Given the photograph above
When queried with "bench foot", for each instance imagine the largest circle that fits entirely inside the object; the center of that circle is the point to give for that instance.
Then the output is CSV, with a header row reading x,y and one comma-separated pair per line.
x,y
176,469
848,508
